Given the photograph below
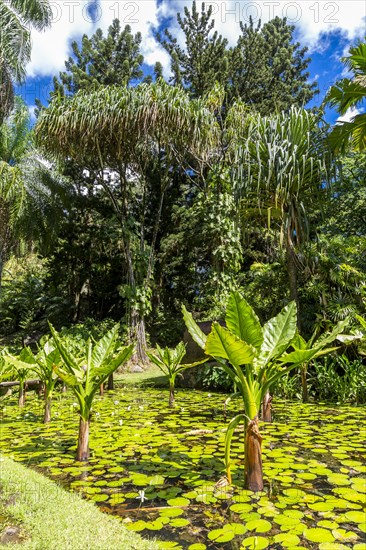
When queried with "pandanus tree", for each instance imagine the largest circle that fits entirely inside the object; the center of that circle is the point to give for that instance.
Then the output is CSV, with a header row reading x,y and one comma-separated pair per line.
x,y
254,357
116,133
85,374
22,366
284,165
349,94
169,362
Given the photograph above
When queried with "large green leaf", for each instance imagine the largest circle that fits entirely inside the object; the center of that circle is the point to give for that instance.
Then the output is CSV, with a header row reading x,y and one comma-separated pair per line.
x,y
105,370
278,333
69,361
242,320
328,338
222,343
105,347
194,330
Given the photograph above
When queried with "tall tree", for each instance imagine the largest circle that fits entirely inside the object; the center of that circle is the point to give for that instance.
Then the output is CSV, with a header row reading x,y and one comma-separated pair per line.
x,y
285,164
114,59
268,69
17,16
116,133
30,188
204,58
348,94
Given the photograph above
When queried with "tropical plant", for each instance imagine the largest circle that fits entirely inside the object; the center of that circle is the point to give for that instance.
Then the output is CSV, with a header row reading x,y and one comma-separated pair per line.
x,y
32,191
46,359
338,379
15,42
319,347
84,376
347,95
169,362
117,133
255,358
21,366
284,164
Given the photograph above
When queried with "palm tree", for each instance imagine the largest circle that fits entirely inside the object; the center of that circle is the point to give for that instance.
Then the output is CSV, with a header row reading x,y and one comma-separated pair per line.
x,y
31,188
284,163
119,131
350,93
16,17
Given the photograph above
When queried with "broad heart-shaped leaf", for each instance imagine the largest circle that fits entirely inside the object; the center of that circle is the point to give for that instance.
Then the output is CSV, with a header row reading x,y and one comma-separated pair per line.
x,y
277,334
222,343
194,330
242,321
105,347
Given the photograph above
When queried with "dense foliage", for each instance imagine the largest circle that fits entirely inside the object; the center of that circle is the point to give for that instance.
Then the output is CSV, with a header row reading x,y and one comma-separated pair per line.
x,y
146,194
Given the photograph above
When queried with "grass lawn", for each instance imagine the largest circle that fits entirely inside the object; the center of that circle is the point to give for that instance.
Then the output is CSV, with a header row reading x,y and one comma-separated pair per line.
x,y
51,518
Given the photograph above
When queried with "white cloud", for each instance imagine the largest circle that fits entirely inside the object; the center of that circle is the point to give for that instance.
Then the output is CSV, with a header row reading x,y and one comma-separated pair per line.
x,y
50,49
349,115
313,19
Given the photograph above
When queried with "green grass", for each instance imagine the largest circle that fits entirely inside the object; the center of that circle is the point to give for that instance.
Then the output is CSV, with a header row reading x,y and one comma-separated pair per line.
x,y
53,518
150,377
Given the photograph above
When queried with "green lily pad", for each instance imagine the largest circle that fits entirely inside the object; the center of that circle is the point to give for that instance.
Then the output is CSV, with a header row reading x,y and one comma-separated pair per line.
x,y
287,539
259,526
255,543
317,534
179,501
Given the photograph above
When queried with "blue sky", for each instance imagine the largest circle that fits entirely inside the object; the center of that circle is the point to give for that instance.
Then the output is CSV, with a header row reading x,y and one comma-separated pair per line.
x,y
327,28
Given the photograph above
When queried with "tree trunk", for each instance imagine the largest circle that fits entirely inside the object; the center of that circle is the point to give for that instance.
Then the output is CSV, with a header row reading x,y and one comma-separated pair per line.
x,y
304,384
47,410
171,395
110,382
253,457
292,277
138,333
101,389
64,388
267,408
21,401
41,389
83,441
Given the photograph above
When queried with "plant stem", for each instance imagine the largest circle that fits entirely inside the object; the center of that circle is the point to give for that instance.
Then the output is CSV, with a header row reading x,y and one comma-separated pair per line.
x,y
253,457
83,441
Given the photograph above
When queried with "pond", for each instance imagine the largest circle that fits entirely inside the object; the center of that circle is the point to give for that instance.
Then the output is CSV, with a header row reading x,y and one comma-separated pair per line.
x,y
161,470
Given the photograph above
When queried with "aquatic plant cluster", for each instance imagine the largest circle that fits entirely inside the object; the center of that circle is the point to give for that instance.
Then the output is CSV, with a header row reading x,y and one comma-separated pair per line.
x,y
161,470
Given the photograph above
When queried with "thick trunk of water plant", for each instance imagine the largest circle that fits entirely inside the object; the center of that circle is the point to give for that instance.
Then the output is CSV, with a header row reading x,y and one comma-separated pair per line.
x,y
21,401
47,409
83,441
171,395
253,457
267,408
110,382
304,383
